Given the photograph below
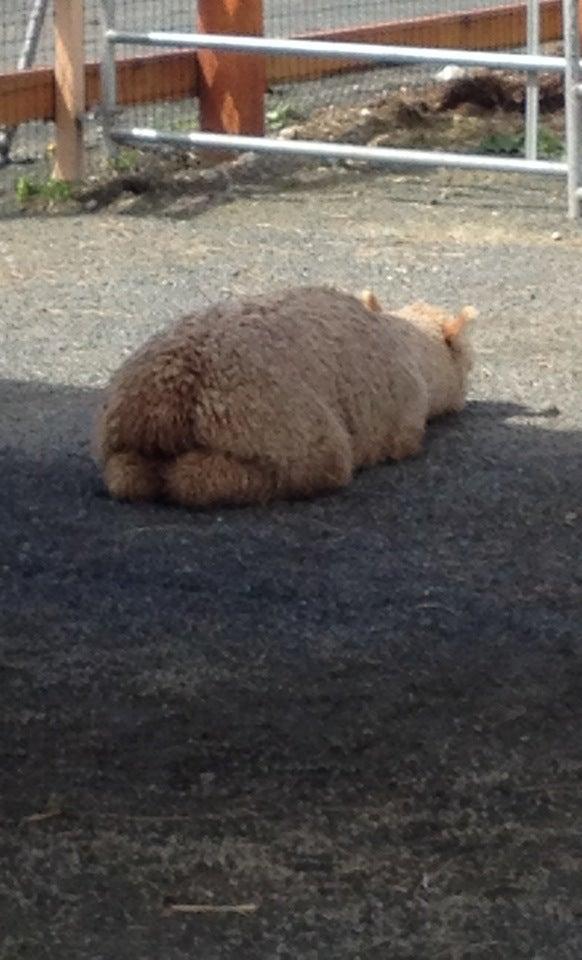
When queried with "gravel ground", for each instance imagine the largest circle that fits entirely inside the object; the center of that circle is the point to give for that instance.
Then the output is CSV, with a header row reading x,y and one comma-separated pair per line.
x,y
360,714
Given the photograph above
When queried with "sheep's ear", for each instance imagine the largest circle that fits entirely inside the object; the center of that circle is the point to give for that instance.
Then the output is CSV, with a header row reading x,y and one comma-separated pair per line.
x,y
370,300
453,326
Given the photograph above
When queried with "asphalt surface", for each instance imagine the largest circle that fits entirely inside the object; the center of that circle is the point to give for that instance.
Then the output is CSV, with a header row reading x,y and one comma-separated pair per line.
x,y
359,714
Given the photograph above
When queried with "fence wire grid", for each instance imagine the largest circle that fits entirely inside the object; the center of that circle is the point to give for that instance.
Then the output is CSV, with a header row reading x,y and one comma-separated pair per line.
x,y
288,17
287,103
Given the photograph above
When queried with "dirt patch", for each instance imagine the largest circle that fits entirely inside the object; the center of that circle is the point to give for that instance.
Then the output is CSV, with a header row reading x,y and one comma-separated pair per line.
x,y
459,114
501,91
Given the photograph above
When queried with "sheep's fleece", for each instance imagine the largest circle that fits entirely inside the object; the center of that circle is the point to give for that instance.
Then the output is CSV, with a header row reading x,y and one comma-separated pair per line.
x,y
283,395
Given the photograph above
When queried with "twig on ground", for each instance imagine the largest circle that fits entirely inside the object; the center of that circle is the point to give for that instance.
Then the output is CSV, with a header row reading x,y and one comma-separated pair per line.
x,y
199,908
45,815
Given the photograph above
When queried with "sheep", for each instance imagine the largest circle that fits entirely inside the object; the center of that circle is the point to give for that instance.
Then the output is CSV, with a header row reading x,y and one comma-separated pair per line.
x,y
278,396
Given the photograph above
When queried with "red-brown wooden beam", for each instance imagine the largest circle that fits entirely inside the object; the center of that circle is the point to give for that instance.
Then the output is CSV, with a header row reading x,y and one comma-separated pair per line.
x,y
231,86
30,94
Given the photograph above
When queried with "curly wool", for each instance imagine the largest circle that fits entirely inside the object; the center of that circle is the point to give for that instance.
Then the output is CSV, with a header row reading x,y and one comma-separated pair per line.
x,y
279,396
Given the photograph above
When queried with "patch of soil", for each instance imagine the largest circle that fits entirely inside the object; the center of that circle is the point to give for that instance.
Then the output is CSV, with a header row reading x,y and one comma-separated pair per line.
x,y
460,114
501,90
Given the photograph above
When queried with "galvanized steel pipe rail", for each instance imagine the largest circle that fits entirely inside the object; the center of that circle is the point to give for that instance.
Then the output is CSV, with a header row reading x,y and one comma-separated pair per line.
x,y
146,136
332,50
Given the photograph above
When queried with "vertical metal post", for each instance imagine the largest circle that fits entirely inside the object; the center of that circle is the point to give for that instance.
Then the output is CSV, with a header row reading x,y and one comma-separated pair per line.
x,y
532,88
25,61
32,35
108,77
573,104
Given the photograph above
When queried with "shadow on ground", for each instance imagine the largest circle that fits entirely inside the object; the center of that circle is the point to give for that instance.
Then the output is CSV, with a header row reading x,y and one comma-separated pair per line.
x,y
361,714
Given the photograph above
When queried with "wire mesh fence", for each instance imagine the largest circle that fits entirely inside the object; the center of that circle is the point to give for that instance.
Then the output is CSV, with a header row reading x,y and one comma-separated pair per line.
x,y
354,104
400,106
362,20
26,40
32,141
292,18
158,109
14,19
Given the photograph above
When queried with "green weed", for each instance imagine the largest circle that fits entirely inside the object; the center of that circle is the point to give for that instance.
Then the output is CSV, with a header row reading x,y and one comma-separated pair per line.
x,y
49,189
550,146
125,161
282,115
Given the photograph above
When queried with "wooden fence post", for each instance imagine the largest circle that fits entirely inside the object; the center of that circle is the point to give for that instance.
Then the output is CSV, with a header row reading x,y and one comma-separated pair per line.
x,y
69,88
231,86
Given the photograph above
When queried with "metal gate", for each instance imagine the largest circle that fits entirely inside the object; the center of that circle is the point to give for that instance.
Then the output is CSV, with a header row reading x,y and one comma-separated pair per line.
x,y
531,63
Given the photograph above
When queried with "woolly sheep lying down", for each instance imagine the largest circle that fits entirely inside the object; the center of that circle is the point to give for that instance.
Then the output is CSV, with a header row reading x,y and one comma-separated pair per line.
x,y
278,396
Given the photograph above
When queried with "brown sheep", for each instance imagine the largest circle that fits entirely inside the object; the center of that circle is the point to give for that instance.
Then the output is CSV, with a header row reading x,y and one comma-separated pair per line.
x,y
279,396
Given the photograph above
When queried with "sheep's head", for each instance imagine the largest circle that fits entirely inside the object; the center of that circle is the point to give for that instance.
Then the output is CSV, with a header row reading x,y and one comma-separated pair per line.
x,y
446,368
451,370
451,328
434,321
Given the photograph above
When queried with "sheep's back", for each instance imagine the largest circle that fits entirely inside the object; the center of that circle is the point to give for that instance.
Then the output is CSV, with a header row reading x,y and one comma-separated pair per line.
x,y
257,361
312,337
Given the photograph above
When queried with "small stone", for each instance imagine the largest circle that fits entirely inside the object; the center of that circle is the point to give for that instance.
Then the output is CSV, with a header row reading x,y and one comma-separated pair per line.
x,y
187,206
289,133
450,72
125,202
556,235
